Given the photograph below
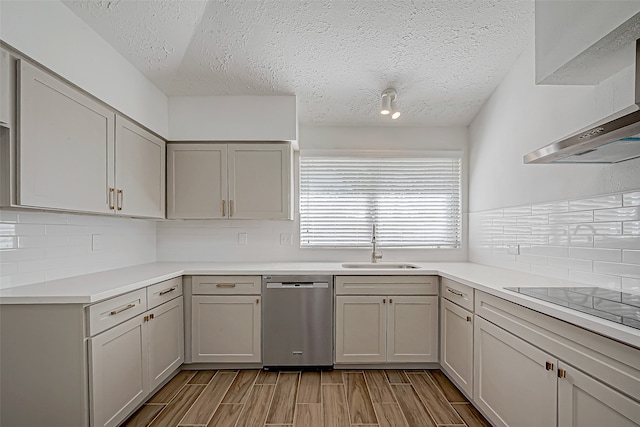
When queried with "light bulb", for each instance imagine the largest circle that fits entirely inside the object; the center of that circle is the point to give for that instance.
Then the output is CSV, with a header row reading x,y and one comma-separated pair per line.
x,y
386,104
395,115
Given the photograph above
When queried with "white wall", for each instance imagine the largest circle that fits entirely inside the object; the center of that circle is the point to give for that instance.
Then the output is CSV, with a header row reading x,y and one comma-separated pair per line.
x,y
233,118
37,246
52,35
521,117
218,240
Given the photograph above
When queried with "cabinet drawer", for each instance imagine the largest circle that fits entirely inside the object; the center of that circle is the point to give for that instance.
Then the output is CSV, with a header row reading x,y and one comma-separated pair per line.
x,y
163,292
111,312
229,285
386,285
457,293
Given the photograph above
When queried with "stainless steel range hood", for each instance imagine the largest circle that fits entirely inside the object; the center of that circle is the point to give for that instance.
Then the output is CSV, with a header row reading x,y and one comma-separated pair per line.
x,y
613,139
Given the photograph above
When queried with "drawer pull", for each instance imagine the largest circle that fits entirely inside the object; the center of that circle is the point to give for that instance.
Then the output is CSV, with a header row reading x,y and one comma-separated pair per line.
x,y
167,291
226,285
460,294
119,199
562,373
111,197
224,208
114,312
549,366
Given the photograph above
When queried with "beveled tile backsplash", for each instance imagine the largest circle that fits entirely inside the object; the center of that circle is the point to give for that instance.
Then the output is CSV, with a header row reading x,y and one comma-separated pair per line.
x,y
592,240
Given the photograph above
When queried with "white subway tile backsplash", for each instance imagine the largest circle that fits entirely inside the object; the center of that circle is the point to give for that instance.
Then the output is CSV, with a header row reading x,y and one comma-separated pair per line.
x,y
631,227
533,220
596,254
549,208
631,285
21,229
631,257
550,229
602,202
617,269
532,259
37,246
517,230
613,282
8,242
592,240
571,241
503,222
617,242
606,228
544,270
619,214
571,217
523,239
571,264
631,199
554,251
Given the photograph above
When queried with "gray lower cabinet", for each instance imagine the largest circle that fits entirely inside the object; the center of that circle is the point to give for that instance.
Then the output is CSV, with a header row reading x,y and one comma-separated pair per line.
x,y
88,366
456,344
534,370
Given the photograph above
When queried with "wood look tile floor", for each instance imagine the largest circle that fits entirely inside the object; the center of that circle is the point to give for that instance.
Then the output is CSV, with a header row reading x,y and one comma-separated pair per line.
x,y
339,398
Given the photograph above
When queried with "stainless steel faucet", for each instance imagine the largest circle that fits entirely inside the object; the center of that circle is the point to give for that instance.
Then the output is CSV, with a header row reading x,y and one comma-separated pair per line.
x,y
375,256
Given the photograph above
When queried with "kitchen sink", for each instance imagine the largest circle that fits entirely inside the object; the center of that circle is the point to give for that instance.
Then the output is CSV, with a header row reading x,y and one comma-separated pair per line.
x,y
388,265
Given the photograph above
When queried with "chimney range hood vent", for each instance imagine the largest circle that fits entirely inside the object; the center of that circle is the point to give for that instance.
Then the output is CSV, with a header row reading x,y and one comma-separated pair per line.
x,y
611,140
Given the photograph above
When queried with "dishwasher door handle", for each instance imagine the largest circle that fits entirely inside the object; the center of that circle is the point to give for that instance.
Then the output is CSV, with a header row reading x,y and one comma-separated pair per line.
x,y
296,285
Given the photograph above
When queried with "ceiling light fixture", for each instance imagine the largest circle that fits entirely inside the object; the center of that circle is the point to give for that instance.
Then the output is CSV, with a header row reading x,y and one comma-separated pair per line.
x,y
389,106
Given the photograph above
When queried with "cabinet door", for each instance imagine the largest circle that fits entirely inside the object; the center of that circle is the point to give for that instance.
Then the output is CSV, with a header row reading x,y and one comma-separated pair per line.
x,y
456,344
586,402
226,329
511,383
7,89
166,340
260,181
196,181
119,379
361,329
412,329
65,145
140,171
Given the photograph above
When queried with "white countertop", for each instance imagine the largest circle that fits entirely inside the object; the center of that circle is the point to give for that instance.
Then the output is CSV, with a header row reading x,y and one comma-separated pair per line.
x,y
92,288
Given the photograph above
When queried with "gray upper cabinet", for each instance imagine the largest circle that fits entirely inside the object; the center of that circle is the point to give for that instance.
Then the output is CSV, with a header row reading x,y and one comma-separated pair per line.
x,y
75,154
65,141
140,171
196,181
235,181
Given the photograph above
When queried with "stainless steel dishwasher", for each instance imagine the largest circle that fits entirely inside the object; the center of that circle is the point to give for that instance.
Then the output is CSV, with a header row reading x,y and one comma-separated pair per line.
x,y
297,321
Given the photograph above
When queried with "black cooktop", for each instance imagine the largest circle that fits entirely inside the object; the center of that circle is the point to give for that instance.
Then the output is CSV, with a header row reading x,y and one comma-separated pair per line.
x,y
620,307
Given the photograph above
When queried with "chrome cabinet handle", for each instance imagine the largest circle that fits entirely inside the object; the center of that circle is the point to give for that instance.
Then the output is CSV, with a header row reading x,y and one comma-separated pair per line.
x,y
114,312
167,291
224,208
225,285
120,199
111,194
460,294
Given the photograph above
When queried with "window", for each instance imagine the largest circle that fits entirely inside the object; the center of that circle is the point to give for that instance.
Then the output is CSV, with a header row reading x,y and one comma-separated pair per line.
x,y
414,202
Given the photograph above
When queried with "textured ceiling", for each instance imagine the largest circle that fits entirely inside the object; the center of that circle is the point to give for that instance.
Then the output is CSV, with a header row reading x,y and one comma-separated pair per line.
x,y
443,57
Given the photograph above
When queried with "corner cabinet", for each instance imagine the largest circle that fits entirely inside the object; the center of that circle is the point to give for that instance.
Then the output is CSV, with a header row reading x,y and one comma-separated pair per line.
x,y
89,366
229,181
75,153
386,319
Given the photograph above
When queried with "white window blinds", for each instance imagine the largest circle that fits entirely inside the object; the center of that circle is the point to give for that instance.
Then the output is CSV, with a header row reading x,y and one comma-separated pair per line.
x,y
414,202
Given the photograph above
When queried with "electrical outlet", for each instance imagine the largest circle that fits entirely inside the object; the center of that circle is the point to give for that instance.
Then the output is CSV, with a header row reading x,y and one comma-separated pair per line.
x,y
513,249
285,239
242,239
97,242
